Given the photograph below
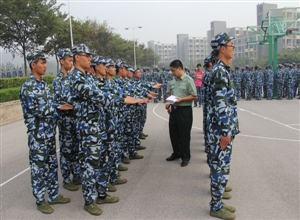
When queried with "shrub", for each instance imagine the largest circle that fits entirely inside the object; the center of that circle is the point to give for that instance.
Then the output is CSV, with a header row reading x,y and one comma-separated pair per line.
x,y
11,94
6,83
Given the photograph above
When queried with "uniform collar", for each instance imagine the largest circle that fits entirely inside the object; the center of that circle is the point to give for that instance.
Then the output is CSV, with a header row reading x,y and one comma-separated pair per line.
x,y
181,78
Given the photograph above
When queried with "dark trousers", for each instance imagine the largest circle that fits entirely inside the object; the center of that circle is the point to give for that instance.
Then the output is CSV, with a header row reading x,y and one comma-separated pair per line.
x,y
180,125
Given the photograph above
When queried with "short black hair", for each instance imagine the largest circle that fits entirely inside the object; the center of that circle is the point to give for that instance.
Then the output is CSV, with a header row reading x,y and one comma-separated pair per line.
x,y
176,64
199,64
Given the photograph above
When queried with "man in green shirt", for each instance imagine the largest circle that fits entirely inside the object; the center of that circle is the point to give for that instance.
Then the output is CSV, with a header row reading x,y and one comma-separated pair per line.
x,y
181,115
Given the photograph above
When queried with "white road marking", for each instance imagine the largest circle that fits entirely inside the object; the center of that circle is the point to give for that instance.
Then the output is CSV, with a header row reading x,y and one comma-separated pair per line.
x,y
240,135
7,181
264,117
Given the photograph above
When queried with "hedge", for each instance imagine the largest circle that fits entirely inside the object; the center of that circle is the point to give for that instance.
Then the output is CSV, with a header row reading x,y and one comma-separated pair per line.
x,y
11,94
6,83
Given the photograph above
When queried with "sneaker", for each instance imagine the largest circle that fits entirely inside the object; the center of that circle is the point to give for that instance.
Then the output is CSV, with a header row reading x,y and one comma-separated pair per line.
x,y
146,135
60,200
142,137
229,208
71,186
122,168
141,148
228,189
137,156
77,182
125,160
111,188
107,199
93,209
45,208
226,195
120,181
223,214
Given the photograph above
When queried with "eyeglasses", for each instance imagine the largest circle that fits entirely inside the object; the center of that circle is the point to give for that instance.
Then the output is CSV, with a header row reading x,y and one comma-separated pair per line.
x,y
233,47
85,55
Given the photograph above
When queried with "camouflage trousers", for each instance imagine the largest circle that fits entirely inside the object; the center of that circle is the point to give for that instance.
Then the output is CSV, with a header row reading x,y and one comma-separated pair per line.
x,y
165,92
155,97
43,167
219,169
69,149
279,90
237,91
248,92
114,159
130,131
259,92
270,91
290,92
90,154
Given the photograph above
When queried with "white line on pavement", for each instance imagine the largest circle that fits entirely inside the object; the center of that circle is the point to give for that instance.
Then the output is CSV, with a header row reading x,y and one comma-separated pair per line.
x,y
7,181
266,118
240,135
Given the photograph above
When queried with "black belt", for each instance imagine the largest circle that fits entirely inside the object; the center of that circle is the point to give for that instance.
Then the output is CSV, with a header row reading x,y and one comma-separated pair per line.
x,y
179,107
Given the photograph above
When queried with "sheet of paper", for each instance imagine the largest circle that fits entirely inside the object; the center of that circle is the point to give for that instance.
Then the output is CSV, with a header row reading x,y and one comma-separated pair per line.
x,y
171,99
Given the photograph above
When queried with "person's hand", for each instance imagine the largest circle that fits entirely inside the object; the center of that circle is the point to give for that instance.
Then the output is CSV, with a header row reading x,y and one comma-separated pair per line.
x,y
65,106
157,86
224,142
153,93
130,100
178,100
167,106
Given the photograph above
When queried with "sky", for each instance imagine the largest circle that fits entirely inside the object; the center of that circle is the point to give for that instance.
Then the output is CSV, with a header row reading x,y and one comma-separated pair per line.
x,y
160,20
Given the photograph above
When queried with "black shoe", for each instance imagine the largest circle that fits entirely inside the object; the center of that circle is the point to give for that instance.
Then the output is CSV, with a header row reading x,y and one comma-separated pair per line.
x,y
172,157
184,163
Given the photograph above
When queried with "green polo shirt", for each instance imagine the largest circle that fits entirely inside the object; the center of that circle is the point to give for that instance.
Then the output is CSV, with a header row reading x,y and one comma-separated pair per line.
x,y
182,87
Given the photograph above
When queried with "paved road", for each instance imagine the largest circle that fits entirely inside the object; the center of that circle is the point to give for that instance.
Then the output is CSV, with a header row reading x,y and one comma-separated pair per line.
x,y
264,172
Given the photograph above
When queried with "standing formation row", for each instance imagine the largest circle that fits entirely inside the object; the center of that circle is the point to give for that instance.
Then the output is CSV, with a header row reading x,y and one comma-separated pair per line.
x,y
100,119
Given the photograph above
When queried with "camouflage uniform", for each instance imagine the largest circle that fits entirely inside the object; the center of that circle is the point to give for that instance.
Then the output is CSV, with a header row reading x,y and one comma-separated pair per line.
x,y
8,74
3,75
248,83
259,83
39,112
237,80
69,148
290,83
222,111
279,81
270,81
20,72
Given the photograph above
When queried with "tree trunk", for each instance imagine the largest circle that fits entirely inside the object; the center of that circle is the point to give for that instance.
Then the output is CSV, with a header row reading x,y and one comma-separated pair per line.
x,y
57,63
25,62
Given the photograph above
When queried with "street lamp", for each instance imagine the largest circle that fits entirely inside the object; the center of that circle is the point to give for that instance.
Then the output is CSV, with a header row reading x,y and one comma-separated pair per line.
x,y
133,42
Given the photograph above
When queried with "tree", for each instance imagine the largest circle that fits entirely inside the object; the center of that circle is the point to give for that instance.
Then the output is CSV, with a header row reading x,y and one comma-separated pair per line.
x,y
289,56
25,25
60,39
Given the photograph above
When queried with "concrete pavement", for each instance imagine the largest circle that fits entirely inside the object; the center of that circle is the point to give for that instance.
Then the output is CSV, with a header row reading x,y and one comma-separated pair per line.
x,y
264,172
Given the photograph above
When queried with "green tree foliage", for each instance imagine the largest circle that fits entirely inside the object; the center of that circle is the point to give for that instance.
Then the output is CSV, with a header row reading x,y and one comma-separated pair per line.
x,y
25,25
289,56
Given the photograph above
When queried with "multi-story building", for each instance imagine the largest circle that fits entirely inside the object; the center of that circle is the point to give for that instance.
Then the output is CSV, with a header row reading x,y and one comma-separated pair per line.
x,y
166,52
191,48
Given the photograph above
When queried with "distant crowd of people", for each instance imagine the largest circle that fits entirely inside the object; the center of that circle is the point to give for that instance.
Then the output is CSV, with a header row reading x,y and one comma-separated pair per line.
x,y
14,73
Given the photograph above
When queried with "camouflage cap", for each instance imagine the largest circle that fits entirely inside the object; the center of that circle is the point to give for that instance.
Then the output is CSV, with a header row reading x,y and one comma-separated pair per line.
x,y
81,48
35,55
131,69
219,40
109,62
136,69
64,53
97,60
120,64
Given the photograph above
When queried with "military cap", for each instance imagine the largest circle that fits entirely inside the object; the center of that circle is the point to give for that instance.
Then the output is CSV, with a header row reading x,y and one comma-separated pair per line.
x,y
109,62
220,40
64,53
81,48
35,55
97,60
